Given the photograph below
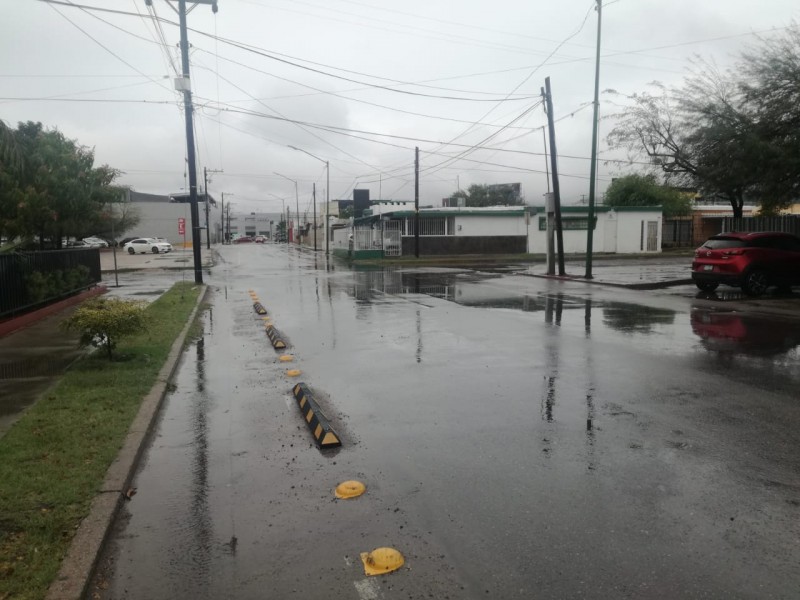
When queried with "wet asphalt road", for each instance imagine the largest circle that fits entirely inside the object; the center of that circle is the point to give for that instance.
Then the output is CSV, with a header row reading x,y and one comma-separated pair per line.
x,y
518,437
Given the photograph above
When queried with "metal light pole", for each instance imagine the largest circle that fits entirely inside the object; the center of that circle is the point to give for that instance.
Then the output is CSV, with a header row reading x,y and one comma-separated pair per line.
x,y
296,200
593,170
327,200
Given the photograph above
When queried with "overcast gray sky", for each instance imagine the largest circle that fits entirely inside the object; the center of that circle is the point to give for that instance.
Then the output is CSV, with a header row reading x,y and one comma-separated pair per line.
x,y
327,76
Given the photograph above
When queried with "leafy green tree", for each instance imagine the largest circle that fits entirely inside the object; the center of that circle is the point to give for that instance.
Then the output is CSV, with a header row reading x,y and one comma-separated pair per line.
x,y
102,322
733,134
56,191
644,190
488,195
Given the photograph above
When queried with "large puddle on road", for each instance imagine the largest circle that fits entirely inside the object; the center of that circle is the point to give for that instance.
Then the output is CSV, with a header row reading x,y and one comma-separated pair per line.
x,y
724,333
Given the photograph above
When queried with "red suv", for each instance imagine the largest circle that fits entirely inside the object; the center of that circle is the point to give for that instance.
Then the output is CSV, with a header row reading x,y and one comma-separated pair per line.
x,y
752,261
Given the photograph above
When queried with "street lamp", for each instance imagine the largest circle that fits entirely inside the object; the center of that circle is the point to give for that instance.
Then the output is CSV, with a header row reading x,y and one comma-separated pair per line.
x,y
327,199
296,200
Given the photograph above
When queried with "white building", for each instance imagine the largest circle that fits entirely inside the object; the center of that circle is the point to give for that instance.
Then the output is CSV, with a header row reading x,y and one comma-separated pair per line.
x,y
499,230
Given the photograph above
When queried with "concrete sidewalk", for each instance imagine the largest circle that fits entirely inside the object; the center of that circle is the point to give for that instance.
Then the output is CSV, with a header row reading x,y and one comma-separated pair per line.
x,y
179,258
643,273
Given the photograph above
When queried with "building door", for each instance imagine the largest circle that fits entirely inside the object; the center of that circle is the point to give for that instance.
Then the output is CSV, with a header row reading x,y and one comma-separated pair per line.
x,y
652,236
610,234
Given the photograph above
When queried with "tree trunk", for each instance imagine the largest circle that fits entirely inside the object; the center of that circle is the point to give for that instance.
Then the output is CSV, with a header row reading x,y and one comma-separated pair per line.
x,y
737,203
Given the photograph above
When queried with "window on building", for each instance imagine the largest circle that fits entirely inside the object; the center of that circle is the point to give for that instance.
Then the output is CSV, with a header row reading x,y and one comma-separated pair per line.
x,y
568,223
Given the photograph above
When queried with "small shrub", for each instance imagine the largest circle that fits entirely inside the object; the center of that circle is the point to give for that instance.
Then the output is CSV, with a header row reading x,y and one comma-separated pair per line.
x,y
103,321
36,286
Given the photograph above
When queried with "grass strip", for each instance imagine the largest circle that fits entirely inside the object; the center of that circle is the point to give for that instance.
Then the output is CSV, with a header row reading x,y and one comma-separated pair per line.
x,y
54,459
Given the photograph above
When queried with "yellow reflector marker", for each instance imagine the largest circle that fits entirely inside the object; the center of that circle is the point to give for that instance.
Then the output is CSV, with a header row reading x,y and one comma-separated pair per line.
x,y
265,318
381,560
293,372
350,489
286,358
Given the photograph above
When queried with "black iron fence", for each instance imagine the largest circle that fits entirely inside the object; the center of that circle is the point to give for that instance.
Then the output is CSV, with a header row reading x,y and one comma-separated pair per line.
x,y
785,224
29,280
677,233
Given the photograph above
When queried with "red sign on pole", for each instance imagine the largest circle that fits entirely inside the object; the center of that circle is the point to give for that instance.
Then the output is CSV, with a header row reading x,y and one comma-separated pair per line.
x,y
181,226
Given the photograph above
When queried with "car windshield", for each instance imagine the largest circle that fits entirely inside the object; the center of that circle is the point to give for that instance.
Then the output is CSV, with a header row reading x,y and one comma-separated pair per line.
x,y
722,243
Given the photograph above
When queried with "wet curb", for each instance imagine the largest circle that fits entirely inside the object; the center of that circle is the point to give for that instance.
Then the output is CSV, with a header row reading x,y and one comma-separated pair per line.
x,y
78,565
653,285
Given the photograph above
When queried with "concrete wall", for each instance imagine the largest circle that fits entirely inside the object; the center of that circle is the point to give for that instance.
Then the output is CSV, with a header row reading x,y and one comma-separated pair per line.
x,y
615,232
483,226
447,244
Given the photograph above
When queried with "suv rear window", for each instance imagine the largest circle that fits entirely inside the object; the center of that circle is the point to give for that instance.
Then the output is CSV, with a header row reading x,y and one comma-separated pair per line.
x,y
722,243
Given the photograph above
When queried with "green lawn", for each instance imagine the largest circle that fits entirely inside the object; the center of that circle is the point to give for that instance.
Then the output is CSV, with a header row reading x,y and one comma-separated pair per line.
x,y
55,457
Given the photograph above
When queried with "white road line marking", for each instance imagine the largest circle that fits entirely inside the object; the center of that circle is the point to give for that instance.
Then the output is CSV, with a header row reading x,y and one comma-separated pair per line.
x,y
288,403
367,589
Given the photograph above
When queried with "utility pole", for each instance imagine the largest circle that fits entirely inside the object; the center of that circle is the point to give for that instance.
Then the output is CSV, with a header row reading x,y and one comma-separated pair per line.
x,y
549,209
314,196
184,84
222,216
593,170
416,201
554,165
327,208
205,187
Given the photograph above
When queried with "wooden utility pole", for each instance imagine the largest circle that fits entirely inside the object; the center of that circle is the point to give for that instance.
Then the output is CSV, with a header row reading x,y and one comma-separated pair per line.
x,y
554,167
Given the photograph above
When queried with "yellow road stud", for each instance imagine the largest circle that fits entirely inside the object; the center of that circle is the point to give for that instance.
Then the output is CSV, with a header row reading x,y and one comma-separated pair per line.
x,y
293,372
381,560
349,489
286,358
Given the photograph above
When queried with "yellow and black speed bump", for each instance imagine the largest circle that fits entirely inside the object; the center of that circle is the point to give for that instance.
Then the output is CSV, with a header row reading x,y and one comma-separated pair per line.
x,y
275,338
317,422
259,308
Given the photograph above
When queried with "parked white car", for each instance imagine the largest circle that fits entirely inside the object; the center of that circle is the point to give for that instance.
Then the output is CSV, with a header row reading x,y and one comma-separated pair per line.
x,y
147,245
96,242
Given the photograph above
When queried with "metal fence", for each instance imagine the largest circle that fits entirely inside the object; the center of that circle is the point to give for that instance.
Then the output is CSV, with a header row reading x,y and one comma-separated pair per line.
x,y
785,224
677,233
29,280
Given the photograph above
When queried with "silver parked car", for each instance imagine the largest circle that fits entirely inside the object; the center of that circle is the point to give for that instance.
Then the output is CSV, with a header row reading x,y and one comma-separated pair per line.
x,y
95,242
147,245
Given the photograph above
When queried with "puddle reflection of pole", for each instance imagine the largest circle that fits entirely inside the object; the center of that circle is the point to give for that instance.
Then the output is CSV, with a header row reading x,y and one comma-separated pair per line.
x,y
201,522
590,386
419,336
553,307
333,316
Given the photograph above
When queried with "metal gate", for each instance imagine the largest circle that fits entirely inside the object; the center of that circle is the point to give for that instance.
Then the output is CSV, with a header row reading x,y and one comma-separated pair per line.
x,y
392,246
652,236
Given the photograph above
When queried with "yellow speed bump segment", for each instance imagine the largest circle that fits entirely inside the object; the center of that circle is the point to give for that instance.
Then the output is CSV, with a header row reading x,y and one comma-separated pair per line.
x,y
349,489
259,308
381,561
286,358
275,337
316,420
293,372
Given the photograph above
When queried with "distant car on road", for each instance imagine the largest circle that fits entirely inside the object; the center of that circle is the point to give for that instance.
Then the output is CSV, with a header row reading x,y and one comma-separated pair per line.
x,y
77,244
752,261
243,240
259,239
96,242
147,245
